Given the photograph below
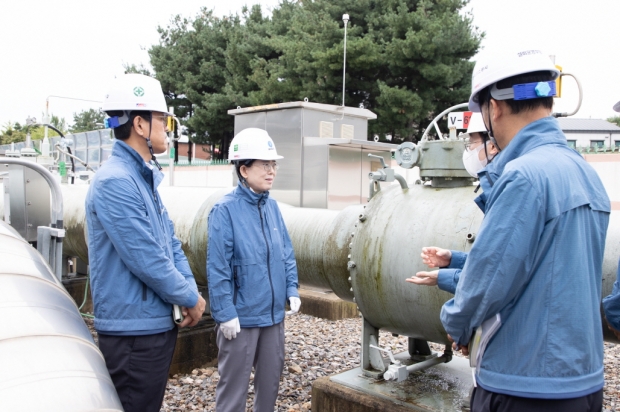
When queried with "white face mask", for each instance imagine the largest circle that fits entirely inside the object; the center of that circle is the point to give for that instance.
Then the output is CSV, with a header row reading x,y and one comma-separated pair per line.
x,y
472,162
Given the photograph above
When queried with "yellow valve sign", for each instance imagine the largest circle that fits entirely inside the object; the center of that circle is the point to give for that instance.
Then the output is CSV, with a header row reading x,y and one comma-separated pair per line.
x,y
558,82
170,124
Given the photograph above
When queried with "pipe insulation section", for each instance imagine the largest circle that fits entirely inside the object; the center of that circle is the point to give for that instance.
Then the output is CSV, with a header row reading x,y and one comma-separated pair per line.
x,y
49,359
362,253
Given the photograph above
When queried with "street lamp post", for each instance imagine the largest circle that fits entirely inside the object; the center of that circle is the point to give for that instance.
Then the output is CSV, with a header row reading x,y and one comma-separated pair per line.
x,y
345,19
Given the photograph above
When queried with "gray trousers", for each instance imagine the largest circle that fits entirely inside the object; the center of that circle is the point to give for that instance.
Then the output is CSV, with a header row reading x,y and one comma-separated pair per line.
x,y
262,348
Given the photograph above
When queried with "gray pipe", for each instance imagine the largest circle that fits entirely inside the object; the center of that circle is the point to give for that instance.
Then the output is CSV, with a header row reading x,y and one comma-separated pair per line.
x,y
420,366
401,180
48,357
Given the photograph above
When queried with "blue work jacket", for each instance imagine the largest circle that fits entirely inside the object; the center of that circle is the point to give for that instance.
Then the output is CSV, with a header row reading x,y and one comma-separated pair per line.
x,y
448,277
537,261
611,304
251,268
137,267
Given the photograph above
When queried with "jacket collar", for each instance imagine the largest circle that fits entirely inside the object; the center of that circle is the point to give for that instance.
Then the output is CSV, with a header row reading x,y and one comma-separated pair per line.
x,y
152,176
249,196
545,131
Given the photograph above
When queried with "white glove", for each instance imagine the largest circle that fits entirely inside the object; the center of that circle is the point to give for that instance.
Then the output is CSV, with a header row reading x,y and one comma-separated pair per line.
x,y
294,303
230,328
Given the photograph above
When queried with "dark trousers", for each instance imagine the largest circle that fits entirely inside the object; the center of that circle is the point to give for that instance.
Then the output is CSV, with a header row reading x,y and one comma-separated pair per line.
x,y
139,367
485,401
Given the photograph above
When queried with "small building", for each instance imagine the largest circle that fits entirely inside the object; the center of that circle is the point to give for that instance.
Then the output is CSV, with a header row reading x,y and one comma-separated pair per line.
x,y
597,134
192,150
325,149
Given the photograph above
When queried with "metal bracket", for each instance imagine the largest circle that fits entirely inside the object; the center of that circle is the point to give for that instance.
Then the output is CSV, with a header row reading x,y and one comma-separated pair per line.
x,y
372,364
49,245
4,176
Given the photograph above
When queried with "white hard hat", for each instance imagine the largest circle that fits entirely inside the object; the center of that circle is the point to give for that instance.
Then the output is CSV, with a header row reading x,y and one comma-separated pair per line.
x,y
476,125
617,107
134,91
252,143
494,67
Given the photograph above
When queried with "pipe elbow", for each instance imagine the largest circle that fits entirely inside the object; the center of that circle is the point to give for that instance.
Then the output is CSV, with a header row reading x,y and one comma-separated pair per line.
x,y
401,180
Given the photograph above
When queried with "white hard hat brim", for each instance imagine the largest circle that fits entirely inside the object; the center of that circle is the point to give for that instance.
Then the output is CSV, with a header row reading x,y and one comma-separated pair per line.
x,y
276,157
112,107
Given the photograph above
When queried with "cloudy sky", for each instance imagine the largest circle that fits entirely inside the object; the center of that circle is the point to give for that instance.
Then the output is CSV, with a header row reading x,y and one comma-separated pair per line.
x,y
74,48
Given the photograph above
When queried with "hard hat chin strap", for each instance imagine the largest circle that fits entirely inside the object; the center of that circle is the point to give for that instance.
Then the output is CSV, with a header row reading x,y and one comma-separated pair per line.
x,y
490,127
148,143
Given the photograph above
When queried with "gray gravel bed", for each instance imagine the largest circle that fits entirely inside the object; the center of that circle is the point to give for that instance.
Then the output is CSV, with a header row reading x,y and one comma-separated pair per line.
x,y
317,347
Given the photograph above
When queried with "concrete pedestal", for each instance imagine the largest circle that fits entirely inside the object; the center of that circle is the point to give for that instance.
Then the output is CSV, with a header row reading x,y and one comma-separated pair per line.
x,y
326,305
443,387
196,347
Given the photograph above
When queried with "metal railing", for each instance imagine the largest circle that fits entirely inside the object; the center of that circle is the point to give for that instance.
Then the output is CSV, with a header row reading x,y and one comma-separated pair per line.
x,y
194,162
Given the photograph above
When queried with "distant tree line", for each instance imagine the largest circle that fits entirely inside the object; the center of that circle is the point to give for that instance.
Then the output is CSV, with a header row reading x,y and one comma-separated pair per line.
x,y
84,121
407,60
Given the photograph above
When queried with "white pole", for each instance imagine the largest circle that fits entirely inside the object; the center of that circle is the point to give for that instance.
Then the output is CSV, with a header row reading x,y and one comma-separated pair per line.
x,y
47,115
345,19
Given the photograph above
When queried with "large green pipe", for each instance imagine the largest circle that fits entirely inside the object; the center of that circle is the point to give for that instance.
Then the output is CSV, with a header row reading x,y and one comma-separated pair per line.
x,y
383,240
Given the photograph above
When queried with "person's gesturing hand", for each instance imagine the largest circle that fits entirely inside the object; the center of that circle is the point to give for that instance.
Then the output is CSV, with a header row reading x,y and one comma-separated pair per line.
x,y
424,278
435,257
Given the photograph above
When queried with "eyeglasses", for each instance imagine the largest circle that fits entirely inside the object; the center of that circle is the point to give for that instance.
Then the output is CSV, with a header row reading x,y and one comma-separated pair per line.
x,y
164,117
268,166
470,143
484,137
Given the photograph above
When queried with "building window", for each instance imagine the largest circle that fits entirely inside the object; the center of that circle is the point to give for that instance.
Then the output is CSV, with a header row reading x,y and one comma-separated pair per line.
x,y
597,144
572,143
617,142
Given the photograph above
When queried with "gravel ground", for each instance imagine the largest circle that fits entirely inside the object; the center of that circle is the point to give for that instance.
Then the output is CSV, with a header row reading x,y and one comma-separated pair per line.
x,y
317,347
